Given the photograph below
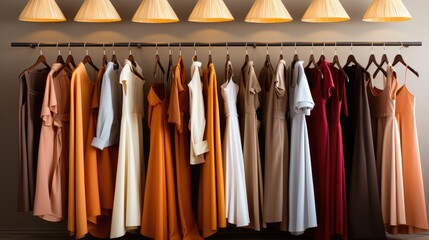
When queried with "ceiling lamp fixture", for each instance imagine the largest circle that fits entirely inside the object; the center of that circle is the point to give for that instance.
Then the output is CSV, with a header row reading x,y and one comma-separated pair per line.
x,y
42,11
387,11
155,11
268,11
97,11
210,11
323,11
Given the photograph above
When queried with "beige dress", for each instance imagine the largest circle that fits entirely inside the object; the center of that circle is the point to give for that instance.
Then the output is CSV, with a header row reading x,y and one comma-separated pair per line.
x,y
248,103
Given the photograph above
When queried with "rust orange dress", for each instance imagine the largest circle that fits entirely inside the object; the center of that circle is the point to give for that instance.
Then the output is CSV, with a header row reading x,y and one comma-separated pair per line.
x,y
211,199
81,91
159,217
178,115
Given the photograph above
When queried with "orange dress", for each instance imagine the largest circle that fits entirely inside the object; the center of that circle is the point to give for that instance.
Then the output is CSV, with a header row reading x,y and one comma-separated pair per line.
x,y
177,114
80,110
211,199
159,218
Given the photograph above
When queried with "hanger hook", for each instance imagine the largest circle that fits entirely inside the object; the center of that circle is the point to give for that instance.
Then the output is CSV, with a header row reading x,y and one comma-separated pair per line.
x,y
104,48
113,47
295,49
351,48
335,48
246,49
180,49
227,49
372,47
323,48
156,48
169,49
312,47
384,48
40,49
59,50
210,49
129,48
70,52
195,49
267,49
86,50
281,48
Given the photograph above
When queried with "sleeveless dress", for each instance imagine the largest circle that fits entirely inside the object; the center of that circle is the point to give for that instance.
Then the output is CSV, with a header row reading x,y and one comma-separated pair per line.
x,y
415,205
237,211
388,151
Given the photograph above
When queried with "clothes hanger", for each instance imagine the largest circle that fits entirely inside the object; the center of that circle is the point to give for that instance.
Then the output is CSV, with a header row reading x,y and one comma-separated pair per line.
x,y
210,56
281,51
246,60
195,58
59,57
40,59
336,61
312,60
158,81
384,60
399,59
69,61
295,58
322,56
170,74
88,59
373,60
104,61
351,58
131,57
228,67
267,63
114,58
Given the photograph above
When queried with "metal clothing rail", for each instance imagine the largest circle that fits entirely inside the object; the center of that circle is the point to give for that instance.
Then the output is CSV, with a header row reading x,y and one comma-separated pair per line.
x,y
215,44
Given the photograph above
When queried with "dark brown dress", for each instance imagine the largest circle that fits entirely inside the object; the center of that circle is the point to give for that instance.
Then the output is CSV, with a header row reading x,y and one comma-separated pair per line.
x,y
31,91
364,211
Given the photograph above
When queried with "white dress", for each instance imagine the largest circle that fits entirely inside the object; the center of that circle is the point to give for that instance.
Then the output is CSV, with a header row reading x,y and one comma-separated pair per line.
x,y
302,207
127,205
197,120
237,211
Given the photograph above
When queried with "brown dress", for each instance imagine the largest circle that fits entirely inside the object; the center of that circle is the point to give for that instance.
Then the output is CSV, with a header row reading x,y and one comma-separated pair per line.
x,y
159,217
415,206
178,115
31,90
276,141
364,217
80,112
50,201
211,198
248,103
388,151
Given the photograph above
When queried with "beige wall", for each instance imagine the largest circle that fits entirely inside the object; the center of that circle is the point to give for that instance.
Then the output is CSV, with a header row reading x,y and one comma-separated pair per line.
x,y
14,60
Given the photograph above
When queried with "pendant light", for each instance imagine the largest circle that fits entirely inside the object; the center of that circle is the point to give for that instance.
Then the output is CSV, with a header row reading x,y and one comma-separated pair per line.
x,y
387,11
42,11
268,11
210,11
155,11
322,11
97,11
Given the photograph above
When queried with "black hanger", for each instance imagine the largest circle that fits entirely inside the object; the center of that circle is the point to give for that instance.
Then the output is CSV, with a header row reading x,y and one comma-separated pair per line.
x,y
281,51
170,73
40,59
59,57
312,60
69,61
158,85
336,61
131,57
114,58
351,58
399,59
246,60
88,59
384,60
295,58
373,60
268,65
104,61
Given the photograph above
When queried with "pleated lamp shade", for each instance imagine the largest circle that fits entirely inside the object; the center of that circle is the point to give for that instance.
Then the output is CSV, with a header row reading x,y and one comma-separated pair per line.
x,y
97,11
42,11
155,11
268,11
387,11
322,11
210,11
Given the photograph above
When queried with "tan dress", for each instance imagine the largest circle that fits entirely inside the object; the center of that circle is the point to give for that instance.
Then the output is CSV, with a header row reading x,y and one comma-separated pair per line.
x,y
50,201
248,103
415,206
211,199
388,150
276,142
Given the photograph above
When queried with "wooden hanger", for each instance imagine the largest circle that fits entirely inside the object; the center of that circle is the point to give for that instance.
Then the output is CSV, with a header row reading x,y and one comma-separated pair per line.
x,y
59,57
336,61
268,65
170,72
384,60
322,56
131,57
104,61
114,58
312,60
295,58
228,67
88,59
373,60
195,58
40,59
69,61
246,60
210,56
281,51
158,84
399,59
351,58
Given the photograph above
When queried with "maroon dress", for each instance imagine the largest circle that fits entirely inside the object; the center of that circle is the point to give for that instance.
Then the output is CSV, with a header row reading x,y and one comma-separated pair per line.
x,y
337,106
318,134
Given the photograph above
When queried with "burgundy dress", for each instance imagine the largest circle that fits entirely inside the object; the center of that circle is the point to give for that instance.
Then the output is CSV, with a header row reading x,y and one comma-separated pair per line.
x,y
318,134
337,106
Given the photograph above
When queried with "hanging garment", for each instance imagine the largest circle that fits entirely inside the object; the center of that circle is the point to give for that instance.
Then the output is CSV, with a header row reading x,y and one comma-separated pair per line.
x,y
364,217
237,210
110,109
81,91
388,150
414,196
159,218
211,198
31,90
276,142
337,106
248,103
177,114
50,201
318,134
130,175
302,206
197,121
